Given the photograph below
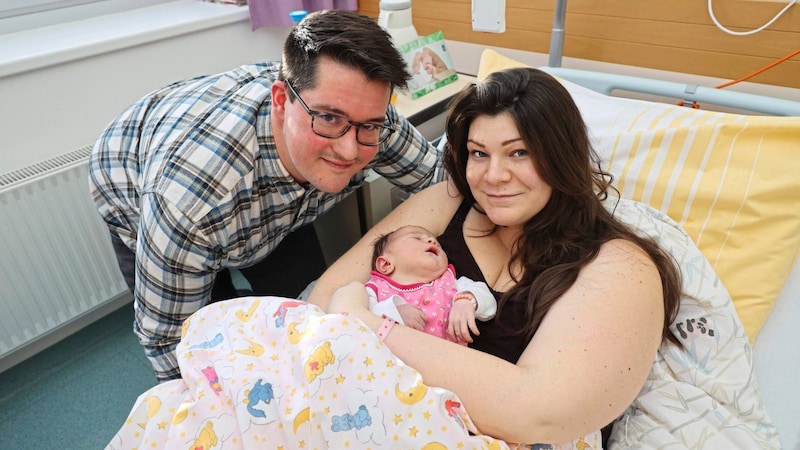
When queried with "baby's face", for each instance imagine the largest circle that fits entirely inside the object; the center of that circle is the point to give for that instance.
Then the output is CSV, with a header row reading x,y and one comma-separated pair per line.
x,y
415,251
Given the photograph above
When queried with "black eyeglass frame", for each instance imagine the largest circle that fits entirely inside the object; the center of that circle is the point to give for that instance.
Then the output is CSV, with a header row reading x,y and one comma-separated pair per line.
x,y
383,134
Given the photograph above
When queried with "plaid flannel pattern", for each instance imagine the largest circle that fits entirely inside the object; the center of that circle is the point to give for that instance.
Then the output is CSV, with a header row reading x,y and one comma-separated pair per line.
x,y
190,178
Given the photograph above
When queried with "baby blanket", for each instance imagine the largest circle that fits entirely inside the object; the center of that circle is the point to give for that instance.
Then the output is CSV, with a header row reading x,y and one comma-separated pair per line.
x,y
271,372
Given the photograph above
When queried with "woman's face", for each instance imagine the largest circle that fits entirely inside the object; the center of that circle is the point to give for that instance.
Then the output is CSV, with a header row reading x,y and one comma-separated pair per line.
x,y
501,173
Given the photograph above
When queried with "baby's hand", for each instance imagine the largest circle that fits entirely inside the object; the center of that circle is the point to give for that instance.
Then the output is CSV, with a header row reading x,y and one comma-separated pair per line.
x,y
412,316
462,320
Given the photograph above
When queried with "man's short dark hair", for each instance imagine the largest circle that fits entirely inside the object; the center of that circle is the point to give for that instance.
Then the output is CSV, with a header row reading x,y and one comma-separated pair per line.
x,y
348,38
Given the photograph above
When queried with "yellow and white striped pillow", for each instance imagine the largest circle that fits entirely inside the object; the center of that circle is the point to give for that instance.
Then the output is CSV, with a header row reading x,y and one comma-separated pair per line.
x,y
731,181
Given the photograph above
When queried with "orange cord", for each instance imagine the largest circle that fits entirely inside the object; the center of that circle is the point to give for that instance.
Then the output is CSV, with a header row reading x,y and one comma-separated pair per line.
x,y
695,105
763,69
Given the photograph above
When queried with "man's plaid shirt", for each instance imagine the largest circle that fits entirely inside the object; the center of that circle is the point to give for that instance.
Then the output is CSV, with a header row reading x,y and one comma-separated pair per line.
x,y
189,177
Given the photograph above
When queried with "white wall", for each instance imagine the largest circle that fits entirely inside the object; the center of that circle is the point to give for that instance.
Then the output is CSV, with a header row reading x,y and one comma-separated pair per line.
x,y
55,109
53,102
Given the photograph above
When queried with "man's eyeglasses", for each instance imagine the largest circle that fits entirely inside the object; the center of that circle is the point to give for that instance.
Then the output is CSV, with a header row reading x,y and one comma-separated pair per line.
x,y
333,126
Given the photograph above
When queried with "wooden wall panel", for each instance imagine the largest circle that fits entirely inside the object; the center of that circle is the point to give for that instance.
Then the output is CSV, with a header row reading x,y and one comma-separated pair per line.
x,y
674,35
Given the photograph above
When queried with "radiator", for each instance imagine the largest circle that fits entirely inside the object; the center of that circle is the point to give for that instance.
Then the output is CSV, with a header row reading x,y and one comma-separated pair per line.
x,y
57,267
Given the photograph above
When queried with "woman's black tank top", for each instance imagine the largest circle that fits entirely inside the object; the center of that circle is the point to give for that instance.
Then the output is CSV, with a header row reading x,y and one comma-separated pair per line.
x,y
498,336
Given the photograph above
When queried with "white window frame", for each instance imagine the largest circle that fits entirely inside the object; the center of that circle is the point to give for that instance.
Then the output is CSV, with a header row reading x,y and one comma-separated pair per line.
x,y
22,15
12,8
152,20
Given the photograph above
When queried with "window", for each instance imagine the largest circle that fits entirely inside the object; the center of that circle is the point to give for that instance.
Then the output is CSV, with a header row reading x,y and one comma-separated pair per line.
x,y
21,15
12,8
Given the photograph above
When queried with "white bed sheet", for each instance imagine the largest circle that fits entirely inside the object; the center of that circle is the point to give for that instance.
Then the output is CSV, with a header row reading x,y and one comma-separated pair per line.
x,y
777,360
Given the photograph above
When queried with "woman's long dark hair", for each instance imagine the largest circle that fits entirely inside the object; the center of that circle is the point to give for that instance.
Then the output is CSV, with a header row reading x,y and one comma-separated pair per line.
x,y
568,233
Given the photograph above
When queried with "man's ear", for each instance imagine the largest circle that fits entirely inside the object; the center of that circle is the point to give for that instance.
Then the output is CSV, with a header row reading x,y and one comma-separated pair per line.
x,y
384,266
279,98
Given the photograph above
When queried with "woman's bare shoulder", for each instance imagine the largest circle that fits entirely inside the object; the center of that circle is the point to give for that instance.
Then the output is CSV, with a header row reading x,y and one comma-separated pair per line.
x,y
618,292
602,334
622,266
625,255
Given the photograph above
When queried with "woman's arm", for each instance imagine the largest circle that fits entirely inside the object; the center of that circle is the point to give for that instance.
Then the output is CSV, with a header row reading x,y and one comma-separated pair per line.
x,y
586,363
431,208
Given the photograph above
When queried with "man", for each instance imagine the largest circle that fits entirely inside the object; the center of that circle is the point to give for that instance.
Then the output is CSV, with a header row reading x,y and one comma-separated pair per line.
x,y
213,173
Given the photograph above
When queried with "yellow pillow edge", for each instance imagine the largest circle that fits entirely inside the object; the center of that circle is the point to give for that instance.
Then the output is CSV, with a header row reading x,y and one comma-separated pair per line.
x,y
753,314
492,61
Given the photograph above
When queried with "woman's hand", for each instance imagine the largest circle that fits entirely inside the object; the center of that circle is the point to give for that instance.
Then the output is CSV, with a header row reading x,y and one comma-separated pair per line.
x,y
350,298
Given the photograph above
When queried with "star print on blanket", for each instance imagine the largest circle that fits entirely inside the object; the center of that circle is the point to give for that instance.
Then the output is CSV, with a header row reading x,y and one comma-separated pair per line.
x,y
269,372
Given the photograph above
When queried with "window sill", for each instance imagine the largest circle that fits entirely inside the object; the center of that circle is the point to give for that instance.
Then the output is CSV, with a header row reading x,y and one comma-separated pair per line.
x,y
34,49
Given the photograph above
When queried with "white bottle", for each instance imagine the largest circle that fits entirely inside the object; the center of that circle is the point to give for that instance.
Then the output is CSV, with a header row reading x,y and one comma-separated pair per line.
x,y
395,18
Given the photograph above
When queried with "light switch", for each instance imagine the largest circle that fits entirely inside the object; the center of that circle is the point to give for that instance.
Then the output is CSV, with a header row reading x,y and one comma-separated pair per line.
x,y
489,15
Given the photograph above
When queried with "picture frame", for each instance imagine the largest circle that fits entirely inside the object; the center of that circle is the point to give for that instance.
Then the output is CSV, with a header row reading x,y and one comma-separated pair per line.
x,y
429,64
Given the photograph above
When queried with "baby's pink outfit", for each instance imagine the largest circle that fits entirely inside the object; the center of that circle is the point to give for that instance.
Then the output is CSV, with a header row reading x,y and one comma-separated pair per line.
x,y
434,298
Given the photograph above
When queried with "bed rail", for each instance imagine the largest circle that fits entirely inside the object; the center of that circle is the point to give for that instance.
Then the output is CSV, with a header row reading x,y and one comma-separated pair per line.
x,y
606,83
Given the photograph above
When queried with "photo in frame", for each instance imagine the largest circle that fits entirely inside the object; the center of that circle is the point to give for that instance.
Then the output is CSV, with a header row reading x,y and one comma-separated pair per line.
x,y
429,63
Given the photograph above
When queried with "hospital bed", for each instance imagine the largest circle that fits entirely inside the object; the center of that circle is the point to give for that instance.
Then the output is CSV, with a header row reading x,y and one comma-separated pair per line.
x,y
776,352
732,180
767,171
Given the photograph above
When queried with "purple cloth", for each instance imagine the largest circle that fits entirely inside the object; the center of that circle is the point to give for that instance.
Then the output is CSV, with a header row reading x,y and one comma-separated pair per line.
x,y
276,12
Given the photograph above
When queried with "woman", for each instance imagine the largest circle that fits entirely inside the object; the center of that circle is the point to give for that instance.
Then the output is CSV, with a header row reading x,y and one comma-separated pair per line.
x,y
585,303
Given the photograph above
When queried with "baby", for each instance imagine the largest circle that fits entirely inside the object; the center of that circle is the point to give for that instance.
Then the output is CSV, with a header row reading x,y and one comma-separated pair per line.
x,y
413,283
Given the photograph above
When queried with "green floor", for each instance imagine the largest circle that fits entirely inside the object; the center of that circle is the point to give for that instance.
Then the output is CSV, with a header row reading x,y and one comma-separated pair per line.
x,y
76,394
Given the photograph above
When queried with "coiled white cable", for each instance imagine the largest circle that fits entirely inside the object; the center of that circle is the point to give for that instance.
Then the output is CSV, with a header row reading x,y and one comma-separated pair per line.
x,y
746,33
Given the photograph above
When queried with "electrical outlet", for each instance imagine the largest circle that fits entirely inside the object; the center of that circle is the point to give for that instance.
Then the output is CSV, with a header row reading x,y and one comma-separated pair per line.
x,y
489,15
